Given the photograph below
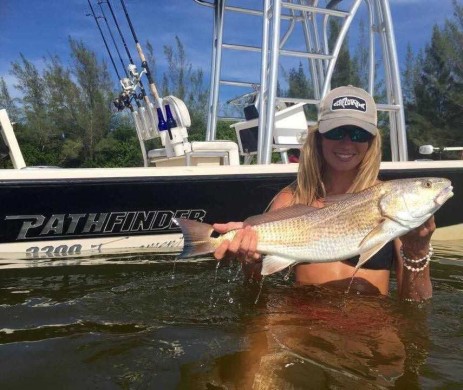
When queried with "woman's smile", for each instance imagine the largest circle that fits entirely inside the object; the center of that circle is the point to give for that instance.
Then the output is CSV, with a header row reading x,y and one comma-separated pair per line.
x,y
343,155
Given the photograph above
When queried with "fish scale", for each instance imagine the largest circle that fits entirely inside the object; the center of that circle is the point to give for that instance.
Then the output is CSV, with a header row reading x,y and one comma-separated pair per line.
x,y
314,240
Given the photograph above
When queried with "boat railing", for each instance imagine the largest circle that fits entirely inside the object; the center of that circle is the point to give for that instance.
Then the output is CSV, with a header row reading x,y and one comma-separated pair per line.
x,y
10,141
280,21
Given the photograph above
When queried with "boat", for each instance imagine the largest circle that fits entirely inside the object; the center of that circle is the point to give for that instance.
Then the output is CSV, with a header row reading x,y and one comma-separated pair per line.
x,y
50,215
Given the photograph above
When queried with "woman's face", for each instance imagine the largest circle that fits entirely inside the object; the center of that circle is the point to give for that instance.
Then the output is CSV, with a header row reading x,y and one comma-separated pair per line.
x,y
343,155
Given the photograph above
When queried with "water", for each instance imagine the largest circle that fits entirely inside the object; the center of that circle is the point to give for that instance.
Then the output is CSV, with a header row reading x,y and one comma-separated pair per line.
x,y
145,324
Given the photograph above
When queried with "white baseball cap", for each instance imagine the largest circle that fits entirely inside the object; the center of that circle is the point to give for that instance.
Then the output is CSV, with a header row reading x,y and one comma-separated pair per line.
x,y
348,106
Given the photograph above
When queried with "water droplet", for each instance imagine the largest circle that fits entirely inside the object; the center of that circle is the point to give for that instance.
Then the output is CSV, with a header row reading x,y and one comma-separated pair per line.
x,y
286,277
260,290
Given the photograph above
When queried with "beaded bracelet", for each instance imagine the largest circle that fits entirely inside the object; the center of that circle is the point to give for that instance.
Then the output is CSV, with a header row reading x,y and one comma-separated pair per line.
x,y
426,259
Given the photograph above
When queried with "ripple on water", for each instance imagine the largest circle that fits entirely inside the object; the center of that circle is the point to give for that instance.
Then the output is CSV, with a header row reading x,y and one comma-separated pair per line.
x,y
41,333
156,325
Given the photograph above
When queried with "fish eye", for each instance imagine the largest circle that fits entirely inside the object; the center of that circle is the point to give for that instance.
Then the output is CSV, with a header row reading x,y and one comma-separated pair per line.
x,y
427,184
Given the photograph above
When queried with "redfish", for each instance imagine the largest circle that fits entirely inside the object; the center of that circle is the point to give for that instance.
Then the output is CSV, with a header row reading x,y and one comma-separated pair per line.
x,y
350,224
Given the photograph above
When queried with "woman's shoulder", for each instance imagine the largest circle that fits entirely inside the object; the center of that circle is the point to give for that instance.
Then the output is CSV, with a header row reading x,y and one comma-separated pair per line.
x,y
283,199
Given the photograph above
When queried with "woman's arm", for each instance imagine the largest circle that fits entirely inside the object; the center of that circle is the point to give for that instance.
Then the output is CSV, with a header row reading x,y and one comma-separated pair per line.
x,y
414,281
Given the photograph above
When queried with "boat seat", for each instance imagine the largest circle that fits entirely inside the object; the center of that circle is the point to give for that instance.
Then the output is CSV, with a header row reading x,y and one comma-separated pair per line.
x,y
155,154
202,153
223,149
290,128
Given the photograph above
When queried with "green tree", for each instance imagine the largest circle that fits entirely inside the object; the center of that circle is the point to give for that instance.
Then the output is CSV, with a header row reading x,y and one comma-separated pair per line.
x,y
410,76
360,60
96,94
187,84
345,71
298,84
66,115
63,97
7,102
436,115
179,68
32,86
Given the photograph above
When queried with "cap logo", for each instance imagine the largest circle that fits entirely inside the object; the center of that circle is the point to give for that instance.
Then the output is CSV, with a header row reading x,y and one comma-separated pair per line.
x,y
349,103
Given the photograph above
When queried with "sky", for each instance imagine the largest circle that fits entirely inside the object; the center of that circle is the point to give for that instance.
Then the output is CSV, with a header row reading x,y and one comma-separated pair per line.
x,y
38,28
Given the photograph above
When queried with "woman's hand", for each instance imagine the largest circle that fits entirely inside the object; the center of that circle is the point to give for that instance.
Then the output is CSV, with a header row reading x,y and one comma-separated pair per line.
x,y
414,284
416,242
242,245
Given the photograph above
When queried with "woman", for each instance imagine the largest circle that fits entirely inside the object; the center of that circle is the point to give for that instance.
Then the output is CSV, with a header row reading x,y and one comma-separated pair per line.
x,y
342,155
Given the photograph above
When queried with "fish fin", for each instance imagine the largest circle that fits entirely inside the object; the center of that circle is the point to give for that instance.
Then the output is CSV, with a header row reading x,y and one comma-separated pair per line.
x,y
376,230
273,263
367,255
276,215
197,237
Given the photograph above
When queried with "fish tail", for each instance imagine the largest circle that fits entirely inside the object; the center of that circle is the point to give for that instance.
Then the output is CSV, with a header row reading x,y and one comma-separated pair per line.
x,y
196,236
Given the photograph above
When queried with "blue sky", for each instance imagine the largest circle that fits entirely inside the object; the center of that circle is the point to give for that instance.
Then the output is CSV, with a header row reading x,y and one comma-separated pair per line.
x,y
38,28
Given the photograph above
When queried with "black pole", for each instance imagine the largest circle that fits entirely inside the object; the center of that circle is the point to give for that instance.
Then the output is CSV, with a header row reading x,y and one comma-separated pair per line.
x,y
112,38
144,64
123,100
120,58
119,30
142,88
104,39
129,21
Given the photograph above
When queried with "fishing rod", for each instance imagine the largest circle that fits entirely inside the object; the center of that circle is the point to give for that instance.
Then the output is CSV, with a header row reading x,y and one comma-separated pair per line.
x,y
112,38
173,137
118,29
144,64
103,37
127,83
163,124
133,68
124,99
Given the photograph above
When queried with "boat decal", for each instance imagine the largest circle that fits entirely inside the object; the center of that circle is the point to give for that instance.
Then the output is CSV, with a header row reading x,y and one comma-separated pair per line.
x,y
39,226
50,251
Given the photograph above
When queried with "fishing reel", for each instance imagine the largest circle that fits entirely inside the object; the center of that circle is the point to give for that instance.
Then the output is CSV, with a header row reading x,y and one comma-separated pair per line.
x,y
132,68
122,101
128,86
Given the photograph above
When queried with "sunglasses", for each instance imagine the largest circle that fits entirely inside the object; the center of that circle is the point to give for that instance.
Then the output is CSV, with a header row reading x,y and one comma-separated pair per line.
x,y
356,134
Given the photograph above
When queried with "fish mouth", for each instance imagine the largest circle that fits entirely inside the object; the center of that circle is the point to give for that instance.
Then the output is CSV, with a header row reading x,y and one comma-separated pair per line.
x,y
444,195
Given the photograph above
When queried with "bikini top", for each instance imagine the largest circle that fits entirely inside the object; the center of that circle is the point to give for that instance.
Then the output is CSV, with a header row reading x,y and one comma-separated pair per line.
x,y
381,260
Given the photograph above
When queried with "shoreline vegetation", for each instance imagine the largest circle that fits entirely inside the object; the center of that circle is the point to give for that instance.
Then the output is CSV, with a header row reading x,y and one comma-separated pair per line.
x,y
65,116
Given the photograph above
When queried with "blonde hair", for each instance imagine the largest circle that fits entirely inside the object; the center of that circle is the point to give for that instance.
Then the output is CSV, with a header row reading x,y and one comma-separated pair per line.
x,y
309,186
